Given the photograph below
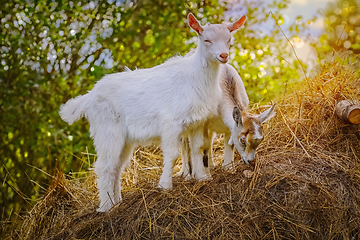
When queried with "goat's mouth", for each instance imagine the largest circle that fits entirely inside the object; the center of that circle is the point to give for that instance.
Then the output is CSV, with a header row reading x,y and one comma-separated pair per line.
x,y
222,60
248,162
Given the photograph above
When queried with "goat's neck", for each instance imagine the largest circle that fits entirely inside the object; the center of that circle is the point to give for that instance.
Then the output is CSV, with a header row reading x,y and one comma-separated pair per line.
x,y
206,65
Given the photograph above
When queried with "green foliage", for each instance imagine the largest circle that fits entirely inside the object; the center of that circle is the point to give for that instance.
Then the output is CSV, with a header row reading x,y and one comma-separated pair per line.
x,y
265,62
342,30
52,51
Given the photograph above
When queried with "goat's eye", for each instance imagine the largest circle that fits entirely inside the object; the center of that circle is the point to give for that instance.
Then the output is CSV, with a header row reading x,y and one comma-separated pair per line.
x,y
229,40
207,41
242,141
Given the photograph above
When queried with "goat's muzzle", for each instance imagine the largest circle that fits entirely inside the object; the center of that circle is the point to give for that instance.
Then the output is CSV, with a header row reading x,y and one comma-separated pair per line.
x,y
223,57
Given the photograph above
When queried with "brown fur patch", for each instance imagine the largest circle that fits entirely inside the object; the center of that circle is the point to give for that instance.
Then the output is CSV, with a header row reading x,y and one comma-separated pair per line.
x,y
249,131
229,86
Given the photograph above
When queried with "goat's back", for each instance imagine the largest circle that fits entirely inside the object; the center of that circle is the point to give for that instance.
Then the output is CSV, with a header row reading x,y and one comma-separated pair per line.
x,y
146,100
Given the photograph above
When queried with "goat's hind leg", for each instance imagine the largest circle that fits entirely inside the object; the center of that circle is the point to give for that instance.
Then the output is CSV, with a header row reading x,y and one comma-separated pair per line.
x,y
197,157
125,158
207,157
109,146
186,165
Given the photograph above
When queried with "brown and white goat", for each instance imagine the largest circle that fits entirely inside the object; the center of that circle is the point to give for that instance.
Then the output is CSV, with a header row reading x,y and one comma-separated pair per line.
x,y
240,128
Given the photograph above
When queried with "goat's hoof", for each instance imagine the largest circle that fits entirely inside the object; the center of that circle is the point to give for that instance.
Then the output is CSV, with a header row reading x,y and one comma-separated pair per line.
x,y
229,166
207,177
104,208
188,177
179,174
165,186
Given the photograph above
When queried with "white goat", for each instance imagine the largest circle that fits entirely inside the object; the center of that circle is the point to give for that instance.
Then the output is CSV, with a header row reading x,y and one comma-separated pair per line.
x,y
238,126
158,105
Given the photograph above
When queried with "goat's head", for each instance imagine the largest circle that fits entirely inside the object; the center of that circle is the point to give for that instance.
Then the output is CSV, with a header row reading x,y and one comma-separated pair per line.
x,y
215,38
247,133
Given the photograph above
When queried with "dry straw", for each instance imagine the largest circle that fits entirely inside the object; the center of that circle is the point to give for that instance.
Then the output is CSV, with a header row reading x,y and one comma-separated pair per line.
x,y
305,183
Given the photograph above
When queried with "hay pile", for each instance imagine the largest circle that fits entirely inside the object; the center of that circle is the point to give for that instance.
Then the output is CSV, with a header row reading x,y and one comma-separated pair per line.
x,y
306,184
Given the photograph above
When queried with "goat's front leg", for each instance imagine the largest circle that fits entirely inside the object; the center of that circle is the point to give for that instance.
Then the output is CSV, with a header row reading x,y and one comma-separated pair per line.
x,y
197,150
228,153
170,147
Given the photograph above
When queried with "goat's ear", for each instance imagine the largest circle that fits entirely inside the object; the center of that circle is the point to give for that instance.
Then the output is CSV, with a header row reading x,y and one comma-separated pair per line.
x,y
236,25
194,24
237,116
267,115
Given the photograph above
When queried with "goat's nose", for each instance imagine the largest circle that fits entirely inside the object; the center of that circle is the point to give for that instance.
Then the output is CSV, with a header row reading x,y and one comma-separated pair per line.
x,y
224,56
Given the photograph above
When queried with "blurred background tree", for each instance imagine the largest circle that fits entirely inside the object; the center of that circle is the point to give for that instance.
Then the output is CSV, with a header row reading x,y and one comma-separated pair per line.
x,y
263,56
52,51
342,31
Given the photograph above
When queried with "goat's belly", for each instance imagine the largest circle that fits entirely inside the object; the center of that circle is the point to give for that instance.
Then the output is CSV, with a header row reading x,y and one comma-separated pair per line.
x,y
145,142
145,132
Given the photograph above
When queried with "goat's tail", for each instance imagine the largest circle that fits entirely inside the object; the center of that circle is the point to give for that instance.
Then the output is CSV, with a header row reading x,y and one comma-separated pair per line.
x,y
74,109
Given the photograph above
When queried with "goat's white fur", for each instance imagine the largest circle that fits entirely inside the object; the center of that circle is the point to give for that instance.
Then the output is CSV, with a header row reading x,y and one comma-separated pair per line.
x,y
229,122
220,123
155,105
